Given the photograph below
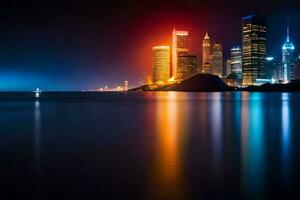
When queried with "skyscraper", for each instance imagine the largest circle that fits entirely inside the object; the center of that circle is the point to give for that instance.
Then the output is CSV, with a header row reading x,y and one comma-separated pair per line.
x,y
187,67
179,48
236,62
254,49
217,59
206,52
161,64
273,69
227,70
287,59
296,69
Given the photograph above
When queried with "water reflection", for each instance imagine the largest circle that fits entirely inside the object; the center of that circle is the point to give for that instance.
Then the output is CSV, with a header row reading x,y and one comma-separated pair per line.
x,y
244,137
168,178
217,136
251,140
286,128
37,143
253,154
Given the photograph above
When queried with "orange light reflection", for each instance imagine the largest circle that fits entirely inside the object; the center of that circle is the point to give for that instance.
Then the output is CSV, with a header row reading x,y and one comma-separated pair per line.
x,y
167,178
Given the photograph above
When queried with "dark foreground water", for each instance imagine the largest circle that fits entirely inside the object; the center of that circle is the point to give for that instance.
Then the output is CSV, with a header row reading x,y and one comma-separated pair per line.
x,y
150,146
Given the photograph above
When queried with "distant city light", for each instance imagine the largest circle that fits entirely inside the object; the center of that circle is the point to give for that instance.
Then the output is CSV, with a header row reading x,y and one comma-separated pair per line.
x,y
37,92
118,88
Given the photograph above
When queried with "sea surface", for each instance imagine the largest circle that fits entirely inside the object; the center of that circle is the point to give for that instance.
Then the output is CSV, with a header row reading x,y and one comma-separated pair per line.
x,y
150,145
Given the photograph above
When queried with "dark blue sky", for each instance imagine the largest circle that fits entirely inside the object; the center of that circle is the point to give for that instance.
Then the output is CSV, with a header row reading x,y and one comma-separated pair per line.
x,y
74,45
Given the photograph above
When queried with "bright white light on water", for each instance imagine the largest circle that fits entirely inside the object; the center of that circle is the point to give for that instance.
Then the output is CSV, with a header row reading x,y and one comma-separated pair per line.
x,y
37,92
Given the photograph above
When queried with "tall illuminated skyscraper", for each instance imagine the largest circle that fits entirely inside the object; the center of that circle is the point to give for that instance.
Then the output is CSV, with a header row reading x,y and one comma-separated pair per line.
x,y
236,62
179,48
254,49
287,59
187,67
206,52
217,59
161,64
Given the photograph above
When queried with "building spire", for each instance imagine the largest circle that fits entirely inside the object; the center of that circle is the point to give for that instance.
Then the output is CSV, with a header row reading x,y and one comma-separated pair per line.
x,y
206,36
288,30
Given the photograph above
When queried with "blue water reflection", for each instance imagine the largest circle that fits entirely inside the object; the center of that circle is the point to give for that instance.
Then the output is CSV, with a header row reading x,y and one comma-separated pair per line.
x,y
286,137
37,148
253,144
37,135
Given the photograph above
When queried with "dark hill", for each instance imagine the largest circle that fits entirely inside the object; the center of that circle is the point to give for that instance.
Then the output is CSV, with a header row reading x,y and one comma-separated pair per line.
x,y
197,83
200,82
293,86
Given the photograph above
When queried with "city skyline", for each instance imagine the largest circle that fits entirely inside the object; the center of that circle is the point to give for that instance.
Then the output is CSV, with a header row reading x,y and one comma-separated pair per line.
x,y
249,65
69,51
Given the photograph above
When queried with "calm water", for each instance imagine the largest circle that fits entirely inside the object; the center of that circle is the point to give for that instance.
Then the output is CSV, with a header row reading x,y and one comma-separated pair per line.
x,y
151,146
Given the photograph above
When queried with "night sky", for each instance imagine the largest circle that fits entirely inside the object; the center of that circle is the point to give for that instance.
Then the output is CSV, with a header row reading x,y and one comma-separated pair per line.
x,y
73,45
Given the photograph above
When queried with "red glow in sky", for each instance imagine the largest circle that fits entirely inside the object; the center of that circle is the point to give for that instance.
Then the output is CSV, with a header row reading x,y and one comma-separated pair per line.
x,y
157,30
